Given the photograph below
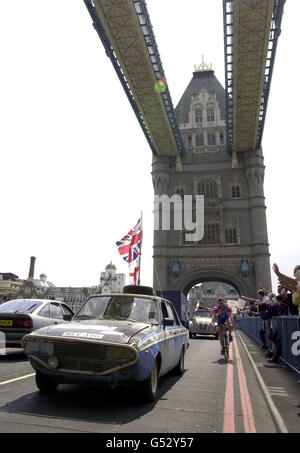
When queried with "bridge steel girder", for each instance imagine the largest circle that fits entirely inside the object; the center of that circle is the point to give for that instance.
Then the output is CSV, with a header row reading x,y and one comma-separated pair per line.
x,y
126,33
251,31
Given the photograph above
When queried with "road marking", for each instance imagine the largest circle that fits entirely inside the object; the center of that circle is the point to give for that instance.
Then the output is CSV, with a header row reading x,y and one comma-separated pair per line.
x,y
274,411
229,422
277,391
17,379
248,416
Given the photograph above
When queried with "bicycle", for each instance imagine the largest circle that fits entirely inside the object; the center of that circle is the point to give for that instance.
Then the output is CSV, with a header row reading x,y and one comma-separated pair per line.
x,y
226,344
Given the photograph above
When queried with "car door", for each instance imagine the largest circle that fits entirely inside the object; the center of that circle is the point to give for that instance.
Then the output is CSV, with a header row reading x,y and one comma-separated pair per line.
x,y
56,313
43,317
178,334
169,342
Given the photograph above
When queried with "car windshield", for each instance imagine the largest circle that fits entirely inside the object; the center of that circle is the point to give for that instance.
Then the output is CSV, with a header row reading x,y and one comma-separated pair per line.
x,y
203,314
20,306
121,308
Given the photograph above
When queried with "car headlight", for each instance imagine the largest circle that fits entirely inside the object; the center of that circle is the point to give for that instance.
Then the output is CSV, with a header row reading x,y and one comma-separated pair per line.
x,y
53,362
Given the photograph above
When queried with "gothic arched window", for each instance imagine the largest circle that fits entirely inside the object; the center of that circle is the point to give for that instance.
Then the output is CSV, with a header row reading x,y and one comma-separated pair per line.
x,y
210,115
198,115
208,188
230,236
235,192
211,233
180,192
199,140
211,139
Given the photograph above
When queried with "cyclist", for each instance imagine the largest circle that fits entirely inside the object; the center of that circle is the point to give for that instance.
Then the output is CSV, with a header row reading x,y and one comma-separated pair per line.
x,y
223,314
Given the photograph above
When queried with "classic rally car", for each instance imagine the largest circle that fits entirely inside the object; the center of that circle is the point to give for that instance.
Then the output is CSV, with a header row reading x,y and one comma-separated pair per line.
x,y
201,324
113,339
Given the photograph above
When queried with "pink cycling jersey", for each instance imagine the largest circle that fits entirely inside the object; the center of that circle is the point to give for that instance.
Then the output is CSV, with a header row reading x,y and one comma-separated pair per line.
x,y
222,313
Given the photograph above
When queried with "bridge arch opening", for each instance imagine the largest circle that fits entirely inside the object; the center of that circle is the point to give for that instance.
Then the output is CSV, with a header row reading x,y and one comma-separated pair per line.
x,y
210,284
206,292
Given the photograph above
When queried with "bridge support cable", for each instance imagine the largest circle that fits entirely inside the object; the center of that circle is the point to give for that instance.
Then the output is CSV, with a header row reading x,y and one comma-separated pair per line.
x,y
126,33
251,31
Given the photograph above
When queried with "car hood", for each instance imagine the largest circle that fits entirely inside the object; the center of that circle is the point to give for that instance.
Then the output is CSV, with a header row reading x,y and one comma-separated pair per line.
x,y
203,320
108,331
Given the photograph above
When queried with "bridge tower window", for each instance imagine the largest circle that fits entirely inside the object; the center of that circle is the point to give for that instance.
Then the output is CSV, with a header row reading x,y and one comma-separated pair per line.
x,y
199,140
211,139
180,192
235,192
230,236
211,234
198,115
208,188
210,115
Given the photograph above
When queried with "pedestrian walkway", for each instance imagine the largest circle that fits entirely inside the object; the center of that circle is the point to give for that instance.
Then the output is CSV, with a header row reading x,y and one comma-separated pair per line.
x,y
282,384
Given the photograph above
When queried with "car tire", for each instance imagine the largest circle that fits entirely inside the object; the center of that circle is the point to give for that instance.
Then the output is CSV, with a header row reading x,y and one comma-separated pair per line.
x,y
149,387
216,336
191,335
179,369
46,384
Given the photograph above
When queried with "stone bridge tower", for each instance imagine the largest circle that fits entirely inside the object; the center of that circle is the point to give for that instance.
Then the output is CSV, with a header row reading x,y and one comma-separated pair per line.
x,y
235,247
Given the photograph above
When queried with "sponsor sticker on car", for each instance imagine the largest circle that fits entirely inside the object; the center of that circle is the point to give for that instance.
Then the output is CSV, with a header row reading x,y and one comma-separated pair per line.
x,y
82,335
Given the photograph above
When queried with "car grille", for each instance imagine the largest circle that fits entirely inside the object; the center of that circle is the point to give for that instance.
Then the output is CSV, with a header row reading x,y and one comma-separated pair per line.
x,y
91,357
202,327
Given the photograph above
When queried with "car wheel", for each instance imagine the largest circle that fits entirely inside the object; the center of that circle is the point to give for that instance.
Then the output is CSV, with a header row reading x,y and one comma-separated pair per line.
x,y
216,336
149,387
46,384
191,335
179,369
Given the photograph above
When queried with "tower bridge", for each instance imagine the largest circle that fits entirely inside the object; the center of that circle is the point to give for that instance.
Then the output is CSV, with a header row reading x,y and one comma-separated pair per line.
x,y
210,144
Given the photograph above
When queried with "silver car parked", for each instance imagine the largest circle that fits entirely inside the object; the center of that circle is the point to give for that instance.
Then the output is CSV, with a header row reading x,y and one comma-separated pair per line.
x,y
22,316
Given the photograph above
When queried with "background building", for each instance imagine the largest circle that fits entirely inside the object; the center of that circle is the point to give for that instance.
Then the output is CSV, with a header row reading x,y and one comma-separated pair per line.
x,y
110,281
41,288
10,285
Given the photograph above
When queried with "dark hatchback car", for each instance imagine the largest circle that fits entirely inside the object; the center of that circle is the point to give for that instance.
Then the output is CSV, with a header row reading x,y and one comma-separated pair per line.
x,y
22,316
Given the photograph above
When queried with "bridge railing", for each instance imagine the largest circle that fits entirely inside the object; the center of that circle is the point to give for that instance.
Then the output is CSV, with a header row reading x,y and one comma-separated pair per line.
x,y
288,329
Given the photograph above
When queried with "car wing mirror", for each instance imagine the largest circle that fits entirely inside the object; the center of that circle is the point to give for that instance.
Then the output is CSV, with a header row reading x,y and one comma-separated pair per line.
x,y
168,322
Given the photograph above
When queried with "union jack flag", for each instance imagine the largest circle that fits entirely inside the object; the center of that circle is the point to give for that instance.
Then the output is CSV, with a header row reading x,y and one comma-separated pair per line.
x,y
134,272
130,245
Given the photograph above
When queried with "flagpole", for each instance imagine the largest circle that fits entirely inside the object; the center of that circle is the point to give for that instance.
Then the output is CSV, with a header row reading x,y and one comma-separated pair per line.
x,y
139,279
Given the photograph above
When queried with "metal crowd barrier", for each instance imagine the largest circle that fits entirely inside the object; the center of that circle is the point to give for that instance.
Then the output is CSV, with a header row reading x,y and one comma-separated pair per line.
x,y
288,328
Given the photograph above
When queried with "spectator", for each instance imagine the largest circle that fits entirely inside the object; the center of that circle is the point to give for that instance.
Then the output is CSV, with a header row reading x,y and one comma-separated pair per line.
x,y
272,297
296,293
285,303
255,302
267,311
289,283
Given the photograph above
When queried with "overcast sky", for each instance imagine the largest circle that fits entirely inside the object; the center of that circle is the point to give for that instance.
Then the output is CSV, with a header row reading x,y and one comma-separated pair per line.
x,y
75,166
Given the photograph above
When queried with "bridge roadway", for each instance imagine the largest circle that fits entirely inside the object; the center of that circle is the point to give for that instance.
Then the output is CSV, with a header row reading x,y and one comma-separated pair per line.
x,y
210,397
